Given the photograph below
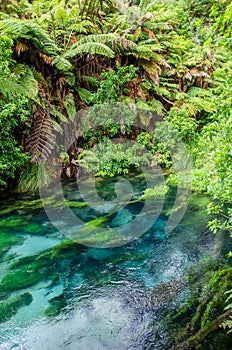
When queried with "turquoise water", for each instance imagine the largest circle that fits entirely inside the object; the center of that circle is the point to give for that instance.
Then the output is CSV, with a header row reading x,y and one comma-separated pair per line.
x,y
81,297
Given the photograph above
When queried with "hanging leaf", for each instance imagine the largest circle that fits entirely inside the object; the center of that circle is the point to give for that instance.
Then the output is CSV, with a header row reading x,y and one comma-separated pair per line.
x,y
70,106
84,94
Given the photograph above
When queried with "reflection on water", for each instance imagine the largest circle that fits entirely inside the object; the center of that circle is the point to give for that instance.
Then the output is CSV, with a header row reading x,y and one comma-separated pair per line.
x,y
91,298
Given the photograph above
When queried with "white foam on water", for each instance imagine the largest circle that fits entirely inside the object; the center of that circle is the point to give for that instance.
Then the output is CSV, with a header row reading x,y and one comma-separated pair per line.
x,y
101,323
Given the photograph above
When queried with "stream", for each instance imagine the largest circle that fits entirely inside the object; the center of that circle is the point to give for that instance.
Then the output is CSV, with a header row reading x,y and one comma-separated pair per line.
x,y
57,294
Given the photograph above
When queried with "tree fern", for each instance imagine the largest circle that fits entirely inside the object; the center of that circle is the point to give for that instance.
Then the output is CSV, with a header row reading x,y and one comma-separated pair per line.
x,y
18,29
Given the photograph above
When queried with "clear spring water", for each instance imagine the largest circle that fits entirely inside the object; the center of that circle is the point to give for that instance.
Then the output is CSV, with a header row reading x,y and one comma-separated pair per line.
x,y
94,298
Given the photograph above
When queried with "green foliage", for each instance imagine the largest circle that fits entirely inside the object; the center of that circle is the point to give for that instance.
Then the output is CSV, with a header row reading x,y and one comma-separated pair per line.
x,y
6,59
15,29
157,148
158,191
113,84
110,159
175,60
33,177
222,23
183,123
107,121
214,153
94,47
227,325
15,79
12,116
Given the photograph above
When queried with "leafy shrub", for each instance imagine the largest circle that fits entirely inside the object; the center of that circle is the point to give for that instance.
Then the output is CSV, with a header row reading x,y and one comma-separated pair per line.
x,y
110,159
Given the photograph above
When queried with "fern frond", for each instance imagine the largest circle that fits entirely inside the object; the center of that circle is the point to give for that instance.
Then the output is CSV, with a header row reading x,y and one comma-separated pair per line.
x,y
198,92
83,27
123,43
27,85
74,12
157,107
20,47
61,63
8,87
150,67
40,141
70,106
56,113
90,48
203,104
84,94
90,80
147,52
18,29
60,15
116,24
96,38
152,43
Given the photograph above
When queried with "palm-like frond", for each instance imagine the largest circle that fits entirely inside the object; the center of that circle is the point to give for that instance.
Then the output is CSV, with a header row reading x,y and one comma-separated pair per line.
x,y
18,29
10,87
82,27
61,63
92,44
97,38
26,85
149,50
90,48
84,94
70,106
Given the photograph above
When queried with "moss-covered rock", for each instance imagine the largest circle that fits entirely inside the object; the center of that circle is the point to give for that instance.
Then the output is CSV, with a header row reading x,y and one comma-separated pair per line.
x,y
9,307
14,222
30,205
34,228
78,205
23,205
7,240
57,304
135,256
67,248
102,238
27,272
